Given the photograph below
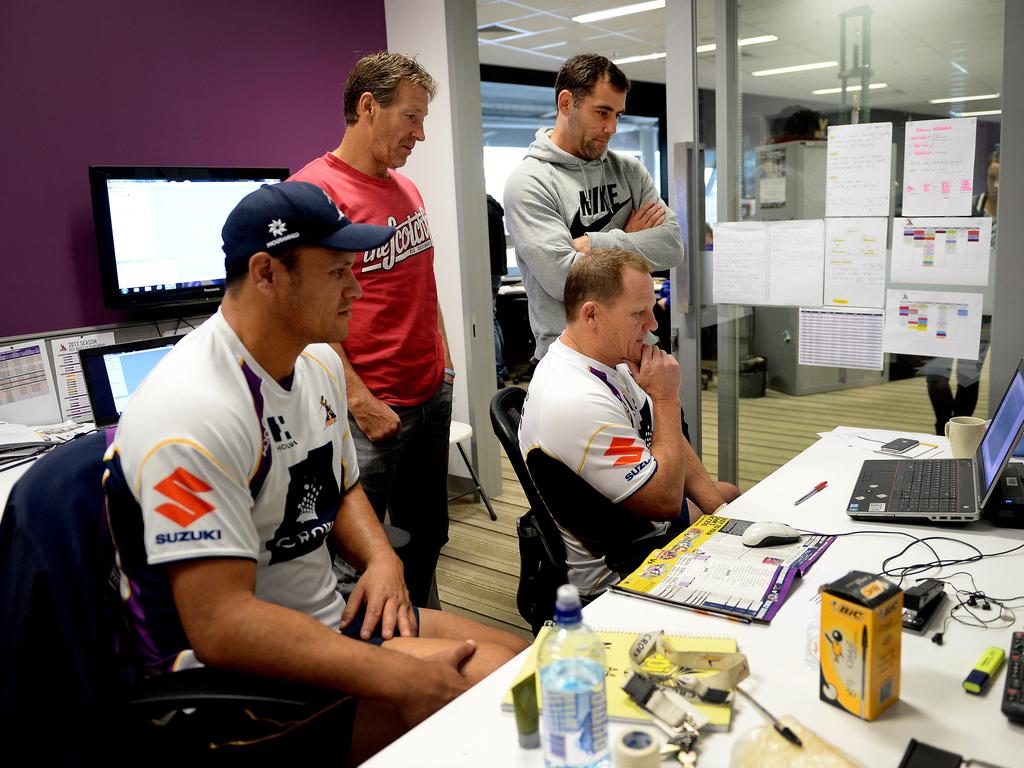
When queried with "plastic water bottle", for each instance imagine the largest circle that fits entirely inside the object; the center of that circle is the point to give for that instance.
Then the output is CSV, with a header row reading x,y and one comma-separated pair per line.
x,y
572,670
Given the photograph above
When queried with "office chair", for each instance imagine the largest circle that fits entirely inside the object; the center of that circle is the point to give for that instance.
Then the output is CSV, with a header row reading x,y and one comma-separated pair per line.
x,y
541,548
542,568
71,688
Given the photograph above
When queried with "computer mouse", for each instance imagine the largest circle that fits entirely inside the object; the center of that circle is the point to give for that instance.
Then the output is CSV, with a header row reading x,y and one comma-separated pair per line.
x,y
768,534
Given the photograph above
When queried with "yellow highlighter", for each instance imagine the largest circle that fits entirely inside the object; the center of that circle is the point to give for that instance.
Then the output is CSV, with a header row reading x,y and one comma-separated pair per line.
x,y
986,668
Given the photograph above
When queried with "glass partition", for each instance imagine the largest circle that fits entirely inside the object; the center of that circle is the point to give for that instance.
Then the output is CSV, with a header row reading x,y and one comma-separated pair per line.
x,y
806,66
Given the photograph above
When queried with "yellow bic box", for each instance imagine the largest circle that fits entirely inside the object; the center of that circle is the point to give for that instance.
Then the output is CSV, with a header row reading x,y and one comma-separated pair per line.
x,y
861,625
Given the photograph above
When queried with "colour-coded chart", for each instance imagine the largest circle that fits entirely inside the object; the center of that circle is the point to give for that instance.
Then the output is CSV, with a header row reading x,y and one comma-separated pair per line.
x,y
934,324
944,251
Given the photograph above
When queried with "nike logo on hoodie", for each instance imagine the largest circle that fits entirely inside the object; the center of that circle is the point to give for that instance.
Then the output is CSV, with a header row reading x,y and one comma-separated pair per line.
x,y
577,227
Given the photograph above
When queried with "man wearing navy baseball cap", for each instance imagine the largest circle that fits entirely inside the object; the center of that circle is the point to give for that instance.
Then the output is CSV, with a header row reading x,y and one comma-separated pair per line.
x,y
233,468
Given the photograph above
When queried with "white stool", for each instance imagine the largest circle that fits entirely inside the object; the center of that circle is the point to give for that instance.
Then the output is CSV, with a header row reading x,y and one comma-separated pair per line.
x,y
459,432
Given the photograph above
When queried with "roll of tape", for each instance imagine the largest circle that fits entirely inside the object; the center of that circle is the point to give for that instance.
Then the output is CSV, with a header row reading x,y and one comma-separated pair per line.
x,y
638,748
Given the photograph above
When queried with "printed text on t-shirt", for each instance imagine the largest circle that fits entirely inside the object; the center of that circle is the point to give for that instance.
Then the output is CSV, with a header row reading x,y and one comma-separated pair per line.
x,y
412,236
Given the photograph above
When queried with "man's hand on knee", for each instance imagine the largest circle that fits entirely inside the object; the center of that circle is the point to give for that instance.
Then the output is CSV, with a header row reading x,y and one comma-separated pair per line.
x,y
382,589
438,680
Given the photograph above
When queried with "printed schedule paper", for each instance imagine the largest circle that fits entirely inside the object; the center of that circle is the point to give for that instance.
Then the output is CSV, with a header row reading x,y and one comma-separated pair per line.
x,y
26,385
855,262
941,251
858,170
769,263
932,323
938,167
74,399
841,337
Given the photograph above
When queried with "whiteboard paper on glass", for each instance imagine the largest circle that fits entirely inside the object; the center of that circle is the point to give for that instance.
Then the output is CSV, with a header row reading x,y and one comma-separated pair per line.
x,y
779,263
931,323
943,251
858,170
855,262
938,167
846,337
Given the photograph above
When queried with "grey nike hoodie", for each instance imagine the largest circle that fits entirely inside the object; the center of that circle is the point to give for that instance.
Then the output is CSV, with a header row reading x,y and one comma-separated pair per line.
x,y
554,197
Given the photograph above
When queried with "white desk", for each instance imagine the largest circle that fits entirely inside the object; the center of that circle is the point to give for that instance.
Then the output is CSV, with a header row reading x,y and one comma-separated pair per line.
x,y
933,707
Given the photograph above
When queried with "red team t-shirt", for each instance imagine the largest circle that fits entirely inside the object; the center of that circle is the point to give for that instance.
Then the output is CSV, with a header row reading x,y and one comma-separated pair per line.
x,y
393,342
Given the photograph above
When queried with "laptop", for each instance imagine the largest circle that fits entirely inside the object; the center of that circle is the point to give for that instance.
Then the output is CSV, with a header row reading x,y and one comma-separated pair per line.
x,y
112,374
942,490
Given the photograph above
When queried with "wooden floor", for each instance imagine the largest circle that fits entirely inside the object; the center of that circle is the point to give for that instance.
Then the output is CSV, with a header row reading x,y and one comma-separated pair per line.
x,y
479,569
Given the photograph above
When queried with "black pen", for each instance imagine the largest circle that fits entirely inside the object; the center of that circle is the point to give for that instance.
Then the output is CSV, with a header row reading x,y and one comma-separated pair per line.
x,y
785,732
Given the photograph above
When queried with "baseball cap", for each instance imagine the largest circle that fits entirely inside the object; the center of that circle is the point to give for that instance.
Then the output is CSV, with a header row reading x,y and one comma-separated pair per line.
x,y
294,213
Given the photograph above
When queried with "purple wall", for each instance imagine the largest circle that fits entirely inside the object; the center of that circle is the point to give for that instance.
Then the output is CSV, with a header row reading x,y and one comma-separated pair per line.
x,y
123,82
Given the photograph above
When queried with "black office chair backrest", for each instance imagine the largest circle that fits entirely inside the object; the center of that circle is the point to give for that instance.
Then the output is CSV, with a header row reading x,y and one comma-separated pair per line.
x,y
58,604
71,686
542,567
506,413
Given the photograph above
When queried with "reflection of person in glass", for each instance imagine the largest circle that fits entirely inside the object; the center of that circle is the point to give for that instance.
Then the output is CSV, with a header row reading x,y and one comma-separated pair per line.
x,y
945,402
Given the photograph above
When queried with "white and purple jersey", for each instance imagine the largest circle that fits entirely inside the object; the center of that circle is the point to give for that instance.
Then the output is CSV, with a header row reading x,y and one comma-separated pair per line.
x,y
214,458
586,435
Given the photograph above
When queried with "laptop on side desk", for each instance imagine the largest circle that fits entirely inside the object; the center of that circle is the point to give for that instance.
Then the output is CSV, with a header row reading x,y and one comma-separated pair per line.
x,y
112,373
942,490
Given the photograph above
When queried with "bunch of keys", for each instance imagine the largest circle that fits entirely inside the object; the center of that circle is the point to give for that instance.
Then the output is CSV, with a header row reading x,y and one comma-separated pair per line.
x,y
672,714
682,748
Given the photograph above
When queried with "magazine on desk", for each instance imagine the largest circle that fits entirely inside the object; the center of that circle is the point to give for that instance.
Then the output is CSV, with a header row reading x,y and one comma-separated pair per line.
x,y
707,568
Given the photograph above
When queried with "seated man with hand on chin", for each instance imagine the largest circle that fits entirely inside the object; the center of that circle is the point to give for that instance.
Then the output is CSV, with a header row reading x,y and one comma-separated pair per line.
x,y
601,431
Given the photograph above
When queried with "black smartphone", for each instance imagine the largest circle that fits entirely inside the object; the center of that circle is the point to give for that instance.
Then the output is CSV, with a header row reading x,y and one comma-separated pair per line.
x,y
900,445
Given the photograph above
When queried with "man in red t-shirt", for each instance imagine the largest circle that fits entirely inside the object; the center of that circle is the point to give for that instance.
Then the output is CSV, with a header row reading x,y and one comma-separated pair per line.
x,y
398,373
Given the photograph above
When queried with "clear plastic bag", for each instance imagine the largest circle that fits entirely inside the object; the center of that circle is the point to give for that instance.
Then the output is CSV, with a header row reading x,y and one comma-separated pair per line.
x,y
763,747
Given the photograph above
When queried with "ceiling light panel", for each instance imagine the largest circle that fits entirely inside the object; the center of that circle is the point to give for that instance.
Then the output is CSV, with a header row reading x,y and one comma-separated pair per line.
x,y
958,99
744,41
642,57
795,68
978,113
849,89
622,10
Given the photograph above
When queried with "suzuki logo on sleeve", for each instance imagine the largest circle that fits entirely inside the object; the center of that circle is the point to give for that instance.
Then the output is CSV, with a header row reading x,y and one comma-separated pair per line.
x,y
626,449
182,487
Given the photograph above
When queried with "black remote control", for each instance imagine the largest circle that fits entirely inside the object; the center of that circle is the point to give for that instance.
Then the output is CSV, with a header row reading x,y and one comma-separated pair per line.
x,y
1013,693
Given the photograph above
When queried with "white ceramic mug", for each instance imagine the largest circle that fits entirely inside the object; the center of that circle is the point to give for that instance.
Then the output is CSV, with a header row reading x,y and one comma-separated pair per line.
x,y
965,433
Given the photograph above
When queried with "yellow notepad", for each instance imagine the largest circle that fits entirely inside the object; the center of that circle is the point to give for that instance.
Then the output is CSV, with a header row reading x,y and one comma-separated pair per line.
x,y
616,652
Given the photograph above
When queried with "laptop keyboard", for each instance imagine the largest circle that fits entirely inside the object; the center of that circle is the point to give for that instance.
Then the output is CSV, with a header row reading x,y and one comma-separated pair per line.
x,y
926,486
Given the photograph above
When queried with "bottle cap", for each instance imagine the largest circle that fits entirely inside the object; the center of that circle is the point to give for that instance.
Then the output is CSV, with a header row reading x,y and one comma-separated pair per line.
x,y
567,604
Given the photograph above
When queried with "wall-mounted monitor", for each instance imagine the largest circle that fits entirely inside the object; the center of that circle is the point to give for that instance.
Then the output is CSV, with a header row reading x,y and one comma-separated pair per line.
x,y
158,231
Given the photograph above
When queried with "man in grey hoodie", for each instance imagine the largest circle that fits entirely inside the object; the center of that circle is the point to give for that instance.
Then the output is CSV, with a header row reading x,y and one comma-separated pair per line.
x,y
570,194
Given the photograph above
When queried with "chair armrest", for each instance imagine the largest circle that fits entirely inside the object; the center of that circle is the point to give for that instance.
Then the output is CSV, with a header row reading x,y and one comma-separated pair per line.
x,y
204,685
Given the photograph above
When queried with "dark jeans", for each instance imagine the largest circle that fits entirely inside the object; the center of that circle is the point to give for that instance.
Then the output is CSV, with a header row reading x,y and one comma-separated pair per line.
x,y
500,369
407,477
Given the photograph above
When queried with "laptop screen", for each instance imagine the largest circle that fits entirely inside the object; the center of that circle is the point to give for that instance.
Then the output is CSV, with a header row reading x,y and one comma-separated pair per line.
x,y
1002,434
113,373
